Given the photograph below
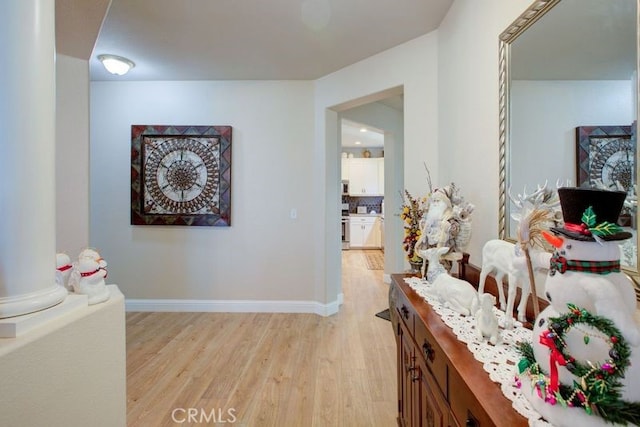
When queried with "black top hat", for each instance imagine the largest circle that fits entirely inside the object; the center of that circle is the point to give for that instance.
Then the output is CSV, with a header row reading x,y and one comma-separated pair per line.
x,y
606,206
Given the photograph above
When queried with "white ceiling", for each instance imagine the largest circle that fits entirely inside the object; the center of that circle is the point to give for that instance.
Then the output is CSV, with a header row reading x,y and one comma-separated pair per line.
x,y
77,26
239,39
358,135
307,39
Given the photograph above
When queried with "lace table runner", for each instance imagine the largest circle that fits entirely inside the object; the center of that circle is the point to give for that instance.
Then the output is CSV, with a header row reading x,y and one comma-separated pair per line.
x,y
500,361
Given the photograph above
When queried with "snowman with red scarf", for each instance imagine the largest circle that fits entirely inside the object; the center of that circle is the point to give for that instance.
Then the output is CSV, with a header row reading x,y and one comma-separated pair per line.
x,y
583,366
88,276
63,269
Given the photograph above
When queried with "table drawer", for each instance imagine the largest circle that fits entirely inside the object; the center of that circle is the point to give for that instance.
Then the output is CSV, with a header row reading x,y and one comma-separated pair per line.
x,y
406,311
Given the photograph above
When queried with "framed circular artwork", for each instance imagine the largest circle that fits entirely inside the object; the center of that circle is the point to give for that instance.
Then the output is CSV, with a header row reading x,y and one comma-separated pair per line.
x,y
180,175
606,157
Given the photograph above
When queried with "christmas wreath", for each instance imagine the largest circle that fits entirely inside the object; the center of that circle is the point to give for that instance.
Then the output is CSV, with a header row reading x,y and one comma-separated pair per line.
x,y
598,389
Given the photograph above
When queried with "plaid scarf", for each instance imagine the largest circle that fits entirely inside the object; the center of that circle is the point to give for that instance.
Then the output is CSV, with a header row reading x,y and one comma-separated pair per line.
x,y
561,264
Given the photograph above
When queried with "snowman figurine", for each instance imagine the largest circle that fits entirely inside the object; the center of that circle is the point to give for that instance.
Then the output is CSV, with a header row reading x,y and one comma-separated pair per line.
x,y
584,362
63,269
88,276
91,282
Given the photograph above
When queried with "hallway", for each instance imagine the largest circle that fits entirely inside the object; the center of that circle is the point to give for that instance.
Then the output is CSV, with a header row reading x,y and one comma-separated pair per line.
x,y
268,369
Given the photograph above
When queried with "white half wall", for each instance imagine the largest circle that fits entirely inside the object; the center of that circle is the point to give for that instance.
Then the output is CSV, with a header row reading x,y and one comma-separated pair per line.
x,y
264,254
69,371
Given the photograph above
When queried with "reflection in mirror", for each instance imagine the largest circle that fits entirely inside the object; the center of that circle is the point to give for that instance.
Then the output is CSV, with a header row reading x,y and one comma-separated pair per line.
x,y
568,74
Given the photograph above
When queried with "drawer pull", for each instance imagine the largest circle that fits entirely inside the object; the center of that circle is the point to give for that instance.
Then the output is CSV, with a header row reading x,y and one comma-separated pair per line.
x,y
413,368
405,312
471,420
429,352
412,365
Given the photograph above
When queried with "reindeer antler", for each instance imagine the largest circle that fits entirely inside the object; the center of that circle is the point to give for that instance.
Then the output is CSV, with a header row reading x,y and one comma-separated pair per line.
x,y
536,198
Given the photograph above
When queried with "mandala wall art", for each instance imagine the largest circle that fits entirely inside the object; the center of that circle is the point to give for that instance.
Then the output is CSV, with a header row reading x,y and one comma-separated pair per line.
x,y
180,175
606,155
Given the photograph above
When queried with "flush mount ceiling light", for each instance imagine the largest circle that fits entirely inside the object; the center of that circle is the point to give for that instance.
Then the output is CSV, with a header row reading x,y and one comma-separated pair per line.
x,y
116,64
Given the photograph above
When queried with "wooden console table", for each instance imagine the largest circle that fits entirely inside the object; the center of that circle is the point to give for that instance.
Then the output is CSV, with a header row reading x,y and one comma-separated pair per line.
x,y
440,383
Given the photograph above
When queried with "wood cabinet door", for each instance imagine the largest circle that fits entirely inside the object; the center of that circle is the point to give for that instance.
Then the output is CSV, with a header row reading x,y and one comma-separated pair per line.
x,y
400,374
434,411
406,379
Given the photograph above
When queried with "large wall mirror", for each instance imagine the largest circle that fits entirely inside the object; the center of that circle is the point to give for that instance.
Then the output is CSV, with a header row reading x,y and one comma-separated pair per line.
x,y
568,75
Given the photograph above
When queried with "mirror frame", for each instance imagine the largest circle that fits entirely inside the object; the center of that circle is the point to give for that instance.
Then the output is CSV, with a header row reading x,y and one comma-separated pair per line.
x,y
534,12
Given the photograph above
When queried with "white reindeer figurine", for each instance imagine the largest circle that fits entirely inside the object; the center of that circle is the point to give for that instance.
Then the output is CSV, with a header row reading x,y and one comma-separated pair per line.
x,y
486,320
502,257
456,294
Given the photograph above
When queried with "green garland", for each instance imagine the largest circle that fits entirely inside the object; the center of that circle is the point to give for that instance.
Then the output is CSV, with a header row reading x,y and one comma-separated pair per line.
x,y
599,389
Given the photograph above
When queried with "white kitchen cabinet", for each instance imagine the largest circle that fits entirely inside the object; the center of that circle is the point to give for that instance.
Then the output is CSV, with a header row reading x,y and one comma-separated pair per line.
x,y
380,161
364,177
344,170
364,232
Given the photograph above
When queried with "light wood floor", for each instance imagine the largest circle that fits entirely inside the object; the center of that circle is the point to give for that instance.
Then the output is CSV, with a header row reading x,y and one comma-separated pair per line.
x,y
262,369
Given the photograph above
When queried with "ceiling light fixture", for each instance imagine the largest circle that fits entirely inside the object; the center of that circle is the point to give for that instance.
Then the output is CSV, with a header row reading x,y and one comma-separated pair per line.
x,y
363,129
358,142
116,64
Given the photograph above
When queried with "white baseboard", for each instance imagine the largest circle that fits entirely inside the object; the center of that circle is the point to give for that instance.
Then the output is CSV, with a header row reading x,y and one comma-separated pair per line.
x,y
233,306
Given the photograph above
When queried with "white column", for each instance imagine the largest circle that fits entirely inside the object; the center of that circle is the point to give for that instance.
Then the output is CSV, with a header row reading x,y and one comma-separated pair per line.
x,y
27,157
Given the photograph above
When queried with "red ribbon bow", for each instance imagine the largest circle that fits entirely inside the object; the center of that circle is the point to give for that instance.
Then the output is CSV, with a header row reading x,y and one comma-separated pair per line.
x,y
558,263
555,358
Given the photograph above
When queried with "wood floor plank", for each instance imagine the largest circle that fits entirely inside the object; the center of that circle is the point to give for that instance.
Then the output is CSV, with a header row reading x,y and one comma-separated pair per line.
x,y
268,369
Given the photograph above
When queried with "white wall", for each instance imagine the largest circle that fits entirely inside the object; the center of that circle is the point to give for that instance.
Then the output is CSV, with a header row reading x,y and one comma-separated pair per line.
x,y
413,66
468,107
544,115
72,155
450,83
264,255
278,164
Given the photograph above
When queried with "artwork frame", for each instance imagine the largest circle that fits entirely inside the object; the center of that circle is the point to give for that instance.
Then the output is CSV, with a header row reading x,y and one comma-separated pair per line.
x,y
605,153
181,175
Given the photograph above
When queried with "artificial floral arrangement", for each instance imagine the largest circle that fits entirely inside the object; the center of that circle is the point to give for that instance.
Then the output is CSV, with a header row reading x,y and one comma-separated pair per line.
x,y
413,208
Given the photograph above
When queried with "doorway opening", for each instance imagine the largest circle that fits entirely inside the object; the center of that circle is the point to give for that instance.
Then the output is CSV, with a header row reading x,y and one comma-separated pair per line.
x,y
371,191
